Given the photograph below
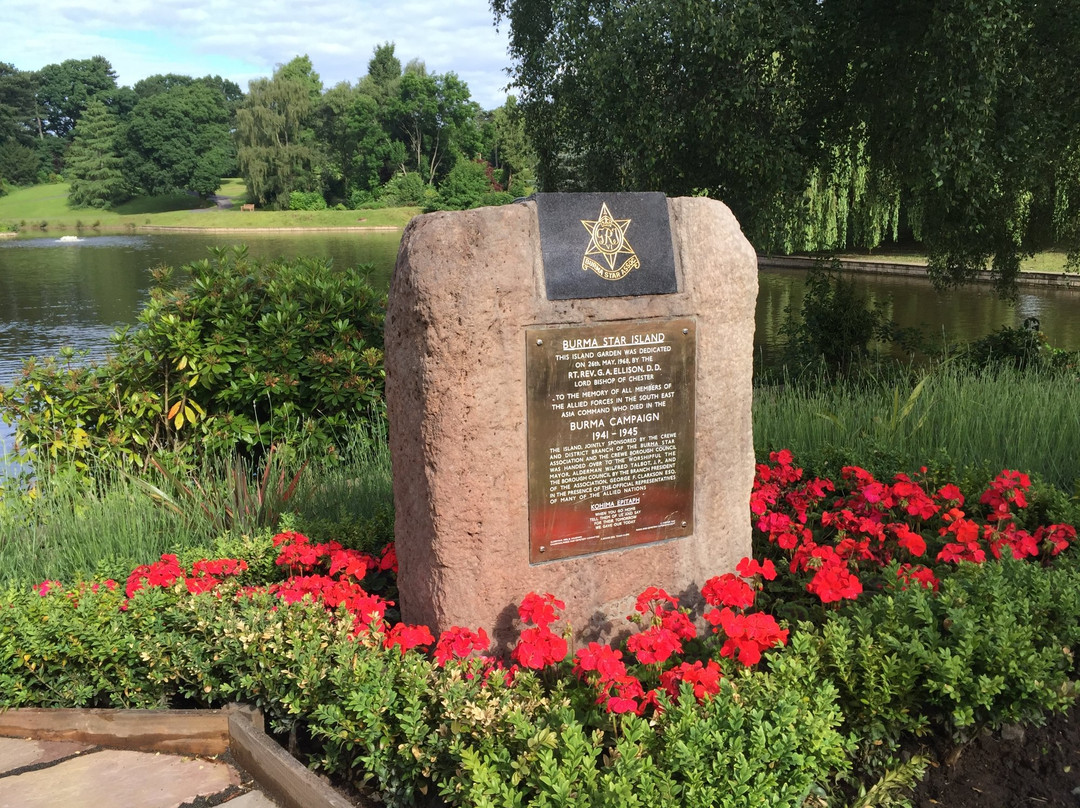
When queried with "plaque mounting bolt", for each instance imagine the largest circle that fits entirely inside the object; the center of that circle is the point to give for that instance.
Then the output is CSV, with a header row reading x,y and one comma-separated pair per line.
x,y
539,342
684,523
543,549
686,330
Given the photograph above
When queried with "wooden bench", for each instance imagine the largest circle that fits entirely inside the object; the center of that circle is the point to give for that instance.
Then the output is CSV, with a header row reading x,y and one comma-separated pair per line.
x,y
247,207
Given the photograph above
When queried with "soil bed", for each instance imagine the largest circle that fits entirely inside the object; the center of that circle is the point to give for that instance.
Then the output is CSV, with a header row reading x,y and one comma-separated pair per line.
x,y
1030,766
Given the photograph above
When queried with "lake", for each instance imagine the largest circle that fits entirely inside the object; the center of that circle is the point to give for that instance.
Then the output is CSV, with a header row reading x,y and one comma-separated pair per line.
x,y
56,292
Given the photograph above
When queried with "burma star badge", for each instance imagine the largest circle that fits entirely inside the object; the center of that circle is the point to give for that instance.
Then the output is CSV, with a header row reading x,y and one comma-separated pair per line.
x,y
608,243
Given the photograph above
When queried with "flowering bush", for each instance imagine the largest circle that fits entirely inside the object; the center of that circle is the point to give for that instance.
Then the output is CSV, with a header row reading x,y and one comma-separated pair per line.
x,y
963,629
835,546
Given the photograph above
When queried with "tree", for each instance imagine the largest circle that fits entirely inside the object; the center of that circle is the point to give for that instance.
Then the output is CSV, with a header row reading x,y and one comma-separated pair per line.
x,y
465,185
276,145
824,124
511,152
93,162
435,119
384,69
160,83
679,97
19,160
65,89
179,140
355,144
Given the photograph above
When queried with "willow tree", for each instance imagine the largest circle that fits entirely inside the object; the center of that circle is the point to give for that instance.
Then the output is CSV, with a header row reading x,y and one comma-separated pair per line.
x,y
823,123
277,148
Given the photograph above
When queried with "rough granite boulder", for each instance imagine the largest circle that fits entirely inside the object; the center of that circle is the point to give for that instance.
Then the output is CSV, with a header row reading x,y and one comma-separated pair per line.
x,y
466,286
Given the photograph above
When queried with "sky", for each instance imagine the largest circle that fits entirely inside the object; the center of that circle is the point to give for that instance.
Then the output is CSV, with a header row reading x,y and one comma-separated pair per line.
x,y
245,39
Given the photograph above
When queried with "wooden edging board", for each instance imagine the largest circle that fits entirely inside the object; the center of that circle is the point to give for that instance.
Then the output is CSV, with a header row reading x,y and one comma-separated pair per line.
x,y
237,729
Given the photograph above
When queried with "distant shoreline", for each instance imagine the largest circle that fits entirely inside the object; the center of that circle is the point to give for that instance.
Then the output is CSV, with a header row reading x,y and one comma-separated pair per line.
x,y
1060,280
165,228
326,229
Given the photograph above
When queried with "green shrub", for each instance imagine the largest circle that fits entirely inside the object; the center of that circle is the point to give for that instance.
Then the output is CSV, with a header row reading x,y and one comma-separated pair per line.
x,y
307,200
834,328
1023,348
992,647
766,739
496,198
403,190
243,355
465,185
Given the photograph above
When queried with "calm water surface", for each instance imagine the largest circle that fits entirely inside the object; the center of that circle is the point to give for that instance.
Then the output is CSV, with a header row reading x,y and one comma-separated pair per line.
x,y
56,292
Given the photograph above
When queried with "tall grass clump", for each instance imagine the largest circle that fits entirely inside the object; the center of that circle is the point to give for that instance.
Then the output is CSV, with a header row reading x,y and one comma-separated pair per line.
x,y
61,528
950,416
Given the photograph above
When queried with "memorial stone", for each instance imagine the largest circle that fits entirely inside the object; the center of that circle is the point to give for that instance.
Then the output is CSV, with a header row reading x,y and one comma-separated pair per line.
x,y
569,391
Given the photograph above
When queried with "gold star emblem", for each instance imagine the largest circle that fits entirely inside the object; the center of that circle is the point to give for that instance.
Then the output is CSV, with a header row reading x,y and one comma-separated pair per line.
x,y
607,240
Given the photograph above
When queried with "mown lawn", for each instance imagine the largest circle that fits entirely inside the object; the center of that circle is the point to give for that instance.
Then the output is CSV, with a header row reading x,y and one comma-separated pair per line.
x,y
45,207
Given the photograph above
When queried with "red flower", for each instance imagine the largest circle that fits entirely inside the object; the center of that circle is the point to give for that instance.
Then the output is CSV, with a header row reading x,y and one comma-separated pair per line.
x,y
678,624
705,679
458,643
749,567
540,610
834,582
784,457
1020,543
290,537
538,648
388,560
951,493
962,551
653,600
163,573
46,586
406,637
1006,489
625,698
604,660
747,634
1055,537
919,574
350,563
655,644
728,590
908,539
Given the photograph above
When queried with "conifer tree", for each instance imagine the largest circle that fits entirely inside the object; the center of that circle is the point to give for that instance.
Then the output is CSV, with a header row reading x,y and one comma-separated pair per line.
x,y
93,164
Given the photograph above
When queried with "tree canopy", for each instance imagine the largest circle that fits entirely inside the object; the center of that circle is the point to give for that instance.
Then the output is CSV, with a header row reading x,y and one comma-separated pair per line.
x,y
393,137
823,123
179,140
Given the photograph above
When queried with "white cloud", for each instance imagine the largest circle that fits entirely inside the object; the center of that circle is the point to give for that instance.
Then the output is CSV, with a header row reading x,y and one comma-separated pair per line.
x,y
242,40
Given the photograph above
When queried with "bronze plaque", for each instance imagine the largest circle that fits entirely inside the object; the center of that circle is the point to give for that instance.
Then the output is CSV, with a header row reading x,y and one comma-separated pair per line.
x,y
611,435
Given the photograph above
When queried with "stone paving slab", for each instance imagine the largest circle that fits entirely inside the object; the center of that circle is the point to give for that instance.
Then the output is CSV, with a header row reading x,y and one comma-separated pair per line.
x,y
253,799
144,780
16,753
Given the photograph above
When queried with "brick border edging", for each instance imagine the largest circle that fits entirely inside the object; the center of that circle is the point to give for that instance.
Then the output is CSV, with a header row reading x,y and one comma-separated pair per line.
x,y
236,728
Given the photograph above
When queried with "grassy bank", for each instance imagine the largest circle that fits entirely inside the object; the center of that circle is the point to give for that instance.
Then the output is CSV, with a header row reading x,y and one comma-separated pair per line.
x,y
45,207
